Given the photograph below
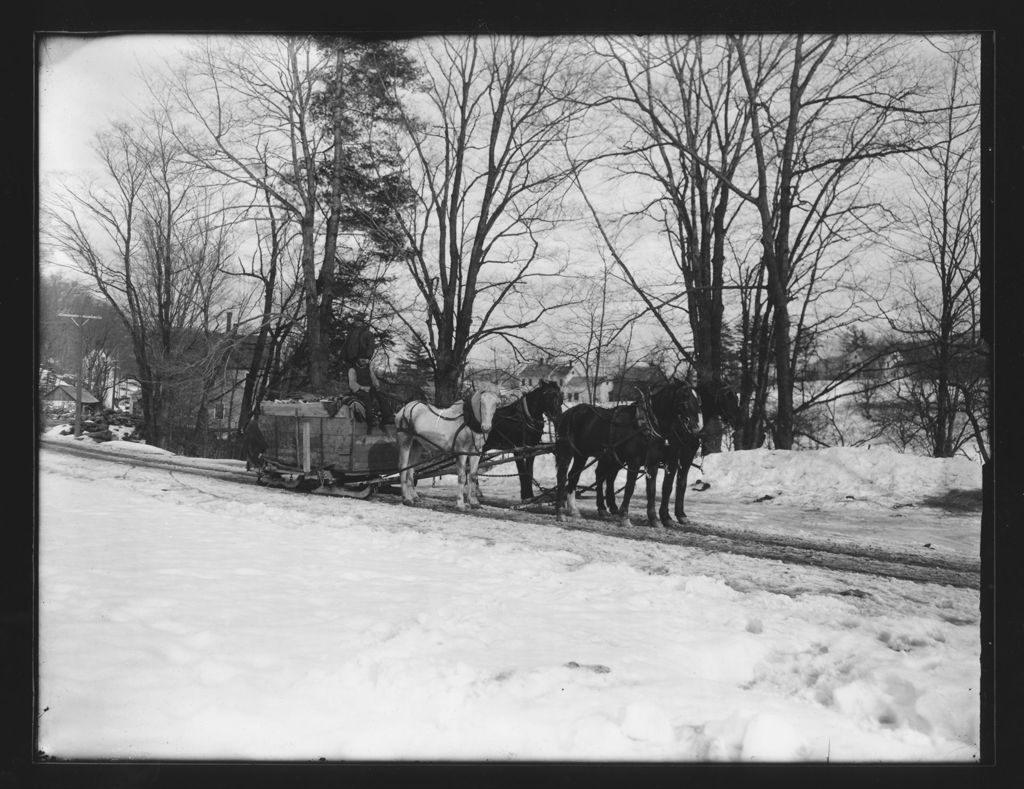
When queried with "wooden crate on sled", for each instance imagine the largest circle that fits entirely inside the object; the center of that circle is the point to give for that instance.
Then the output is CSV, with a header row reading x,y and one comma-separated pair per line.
x,y
317,436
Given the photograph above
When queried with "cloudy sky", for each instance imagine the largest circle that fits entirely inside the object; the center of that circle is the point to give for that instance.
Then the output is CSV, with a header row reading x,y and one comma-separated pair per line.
x,y
85,82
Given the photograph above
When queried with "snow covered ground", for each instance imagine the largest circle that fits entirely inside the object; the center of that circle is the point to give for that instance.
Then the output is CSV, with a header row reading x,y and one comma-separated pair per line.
x,y
185,617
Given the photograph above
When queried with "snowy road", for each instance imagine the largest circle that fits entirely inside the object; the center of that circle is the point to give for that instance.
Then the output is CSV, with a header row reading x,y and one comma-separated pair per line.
x,y
189,616
853,540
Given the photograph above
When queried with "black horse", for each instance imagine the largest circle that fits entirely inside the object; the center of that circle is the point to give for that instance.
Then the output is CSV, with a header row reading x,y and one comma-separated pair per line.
x,y
628,435
521,424
717,400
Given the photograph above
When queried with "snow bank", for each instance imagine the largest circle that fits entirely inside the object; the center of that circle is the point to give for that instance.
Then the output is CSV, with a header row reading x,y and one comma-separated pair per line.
x,y
117,444
130,447
837,475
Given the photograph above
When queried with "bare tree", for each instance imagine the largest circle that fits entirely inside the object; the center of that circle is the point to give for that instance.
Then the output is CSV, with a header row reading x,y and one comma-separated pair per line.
x,y
822,110
294,118
677,96
275,319
939,330
244,111
152,239
484,134
772,136
599,315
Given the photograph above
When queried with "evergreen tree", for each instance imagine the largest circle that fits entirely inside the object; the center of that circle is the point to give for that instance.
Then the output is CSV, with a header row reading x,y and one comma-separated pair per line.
x,y
361,179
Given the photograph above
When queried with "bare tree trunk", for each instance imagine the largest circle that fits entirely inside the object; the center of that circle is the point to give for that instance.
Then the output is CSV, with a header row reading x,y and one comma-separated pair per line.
x,y
329,267
251,389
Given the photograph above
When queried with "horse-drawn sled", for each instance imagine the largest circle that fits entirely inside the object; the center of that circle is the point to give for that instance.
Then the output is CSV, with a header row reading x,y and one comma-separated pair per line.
x,y
325,446
330,446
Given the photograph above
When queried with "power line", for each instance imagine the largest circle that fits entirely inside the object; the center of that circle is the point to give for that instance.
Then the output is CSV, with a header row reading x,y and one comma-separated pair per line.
x,y
81,361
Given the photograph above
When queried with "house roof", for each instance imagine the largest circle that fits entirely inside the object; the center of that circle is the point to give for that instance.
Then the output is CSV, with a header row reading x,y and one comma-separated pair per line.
x,y
624,385
494,376
67,392
538,370
641,372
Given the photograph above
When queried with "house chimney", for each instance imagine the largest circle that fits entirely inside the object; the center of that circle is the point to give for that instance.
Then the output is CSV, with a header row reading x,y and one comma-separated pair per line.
x,y
229,321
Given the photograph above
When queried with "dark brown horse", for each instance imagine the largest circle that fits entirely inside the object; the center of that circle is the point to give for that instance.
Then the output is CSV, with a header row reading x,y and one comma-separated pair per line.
x,y
717,400
521,424
631,435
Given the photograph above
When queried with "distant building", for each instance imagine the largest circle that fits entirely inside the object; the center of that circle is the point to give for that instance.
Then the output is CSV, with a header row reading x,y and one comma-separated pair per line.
x,y
579,389
62,398
568,375
624,385
126,396
532,373
500,381
225,407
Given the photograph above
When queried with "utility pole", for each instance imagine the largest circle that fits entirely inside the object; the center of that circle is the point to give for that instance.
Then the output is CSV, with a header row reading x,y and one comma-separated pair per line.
x,y
79,321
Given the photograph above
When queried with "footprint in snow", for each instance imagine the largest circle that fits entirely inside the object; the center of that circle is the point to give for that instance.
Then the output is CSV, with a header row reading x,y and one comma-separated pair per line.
x,y
597,668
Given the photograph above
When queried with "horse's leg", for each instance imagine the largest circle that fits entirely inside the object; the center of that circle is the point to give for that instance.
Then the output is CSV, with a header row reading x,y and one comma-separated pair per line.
x,y
405,473
460,497
601,471
613,474
632,470
671,467
561,469
685,461
578,461
474,482
651,483
607,471
473,488
525,491
525,468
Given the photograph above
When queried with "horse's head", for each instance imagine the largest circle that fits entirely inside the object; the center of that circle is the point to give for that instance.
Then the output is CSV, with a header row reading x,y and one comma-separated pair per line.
x,y
720,400
676,403
551,399
487,403
730,406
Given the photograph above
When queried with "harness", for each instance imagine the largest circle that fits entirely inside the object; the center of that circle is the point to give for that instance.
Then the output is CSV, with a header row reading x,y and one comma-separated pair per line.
x,y
470,421
514,420
529,419
646,418
470,405
648,425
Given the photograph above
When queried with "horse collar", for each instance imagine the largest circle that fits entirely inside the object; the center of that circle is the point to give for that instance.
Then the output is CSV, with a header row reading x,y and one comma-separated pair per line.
x,y
470,406
529,418
647,420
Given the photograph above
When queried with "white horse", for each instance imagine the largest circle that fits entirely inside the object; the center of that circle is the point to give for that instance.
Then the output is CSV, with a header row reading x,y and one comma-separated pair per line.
x,y
458,429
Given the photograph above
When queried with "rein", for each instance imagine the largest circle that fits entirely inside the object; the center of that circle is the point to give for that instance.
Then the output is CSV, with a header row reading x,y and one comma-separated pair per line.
x,y
528,418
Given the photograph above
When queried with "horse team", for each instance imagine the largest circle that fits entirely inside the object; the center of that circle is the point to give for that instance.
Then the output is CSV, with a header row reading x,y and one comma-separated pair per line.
x,y
662,428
